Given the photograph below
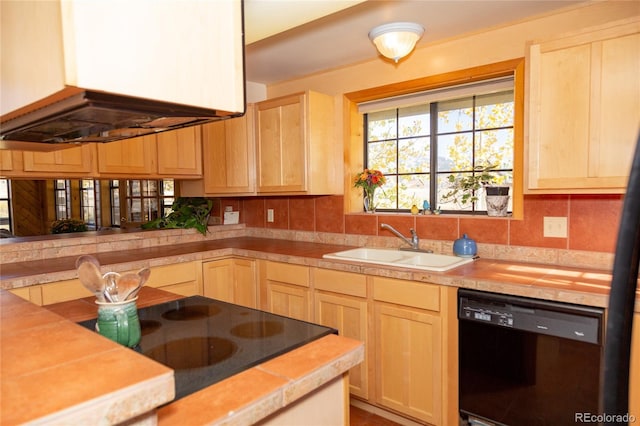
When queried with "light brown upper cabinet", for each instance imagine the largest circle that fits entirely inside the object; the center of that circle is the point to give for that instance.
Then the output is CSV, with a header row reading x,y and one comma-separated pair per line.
x,y
7,161
297,149
228,148
174,153
70,161
78,161
128,157
584,110
180,153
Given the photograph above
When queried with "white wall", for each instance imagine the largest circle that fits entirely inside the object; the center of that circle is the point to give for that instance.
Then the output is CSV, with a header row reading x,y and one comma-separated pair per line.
x,y
480,48
256,92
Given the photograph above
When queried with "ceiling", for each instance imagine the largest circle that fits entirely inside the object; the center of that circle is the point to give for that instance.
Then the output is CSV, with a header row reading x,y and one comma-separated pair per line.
x,y
287,39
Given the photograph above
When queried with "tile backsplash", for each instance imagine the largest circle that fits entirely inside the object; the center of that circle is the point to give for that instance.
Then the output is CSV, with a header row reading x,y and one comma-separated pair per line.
x,y
590,243
592,220
592,225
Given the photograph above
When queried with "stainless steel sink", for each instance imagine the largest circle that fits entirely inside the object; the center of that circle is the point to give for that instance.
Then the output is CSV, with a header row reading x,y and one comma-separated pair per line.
x,y
405,259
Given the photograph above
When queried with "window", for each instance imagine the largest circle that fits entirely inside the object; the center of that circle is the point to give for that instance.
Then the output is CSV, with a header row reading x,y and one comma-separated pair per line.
x,y
419,140
5,208
62,197
148,199
89,200
168,196
114,198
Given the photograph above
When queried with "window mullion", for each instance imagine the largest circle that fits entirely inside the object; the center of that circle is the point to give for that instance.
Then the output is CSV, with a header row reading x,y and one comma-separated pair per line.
x,y
398,159
474,132
433,169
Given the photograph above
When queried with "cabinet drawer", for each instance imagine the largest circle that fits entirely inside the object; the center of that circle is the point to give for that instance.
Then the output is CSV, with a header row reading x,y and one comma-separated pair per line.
x,y
32,293
286,273
417,295
62,291
340,282
184,289
172,274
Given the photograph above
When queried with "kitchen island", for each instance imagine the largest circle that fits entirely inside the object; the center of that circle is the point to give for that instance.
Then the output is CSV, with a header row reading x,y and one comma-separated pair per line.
x,y
54,370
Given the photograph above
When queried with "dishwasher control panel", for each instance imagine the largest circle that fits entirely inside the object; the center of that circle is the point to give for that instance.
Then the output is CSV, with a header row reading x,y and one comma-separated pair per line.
x,y
477,312
576,322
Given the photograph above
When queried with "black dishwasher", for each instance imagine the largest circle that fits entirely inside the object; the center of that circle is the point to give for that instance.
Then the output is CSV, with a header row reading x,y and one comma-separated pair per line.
x,y
526,361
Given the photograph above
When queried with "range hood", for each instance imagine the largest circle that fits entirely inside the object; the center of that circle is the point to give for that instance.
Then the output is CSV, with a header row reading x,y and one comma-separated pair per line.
x,y
102,117
77,71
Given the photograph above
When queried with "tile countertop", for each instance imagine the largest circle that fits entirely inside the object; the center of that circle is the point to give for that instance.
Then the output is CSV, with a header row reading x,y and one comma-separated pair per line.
x,y
57,372
56,383
550,282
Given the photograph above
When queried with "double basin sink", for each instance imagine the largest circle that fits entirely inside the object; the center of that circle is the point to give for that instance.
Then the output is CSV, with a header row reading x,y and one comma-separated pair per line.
x,y
406,259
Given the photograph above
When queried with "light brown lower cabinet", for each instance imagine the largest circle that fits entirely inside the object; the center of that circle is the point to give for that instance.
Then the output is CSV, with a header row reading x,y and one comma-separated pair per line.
x,y
408,348
179,278
231,280
286,289
340,300
399,321
55,292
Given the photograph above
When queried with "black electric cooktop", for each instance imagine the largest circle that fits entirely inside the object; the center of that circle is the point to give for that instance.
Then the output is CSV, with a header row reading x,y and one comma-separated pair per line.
x,y
206,340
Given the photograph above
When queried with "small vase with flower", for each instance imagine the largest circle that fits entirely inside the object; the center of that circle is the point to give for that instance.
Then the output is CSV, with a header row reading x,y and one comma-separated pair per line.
x,y
369,180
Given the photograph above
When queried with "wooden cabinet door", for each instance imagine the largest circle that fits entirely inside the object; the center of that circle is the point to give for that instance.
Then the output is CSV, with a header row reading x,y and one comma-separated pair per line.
x,y
62,291
584,104
6,160
297,150
289,301
130,157
229,156
348,315
76,161
340,301
180,278
217,280
286,288
281,145
408,361
31,293
245,283
231,280
180,152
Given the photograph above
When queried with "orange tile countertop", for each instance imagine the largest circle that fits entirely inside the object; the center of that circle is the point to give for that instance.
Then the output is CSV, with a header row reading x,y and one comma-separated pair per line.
x,y
64,374
258,392
551,282
20,274
56,372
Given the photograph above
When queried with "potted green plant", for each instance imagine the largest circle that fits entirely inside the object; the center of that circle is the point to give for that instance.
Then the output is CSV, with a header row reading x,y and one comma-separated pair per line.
x,y
465,189
186,212
64,226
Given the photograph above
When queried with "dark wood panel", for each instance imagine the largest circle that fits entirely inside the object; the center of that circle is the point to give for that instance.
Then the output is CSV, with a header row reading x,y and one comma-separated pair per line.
x,y
29,207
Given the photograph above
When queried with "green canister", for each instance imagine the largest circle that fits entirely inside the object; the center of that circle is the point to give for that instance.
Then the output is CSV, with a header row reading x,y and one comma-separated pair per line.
x,y
119,322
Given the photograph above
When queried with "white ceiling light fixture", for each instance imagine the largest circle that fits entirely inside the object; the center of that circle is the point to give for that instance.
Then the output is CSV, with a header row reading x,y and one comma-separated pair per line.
x,y
397,39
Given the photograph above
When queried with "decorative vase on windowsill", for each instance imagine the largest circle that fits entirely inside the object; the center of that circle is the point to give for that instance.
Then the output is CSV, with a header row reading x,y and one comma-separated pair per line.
x,y
369,180
369,201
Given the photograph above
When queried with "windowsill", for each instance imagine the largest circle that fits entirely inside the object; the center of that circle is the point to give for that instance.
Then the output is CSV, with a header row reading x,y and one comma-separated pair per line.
x,y
447,215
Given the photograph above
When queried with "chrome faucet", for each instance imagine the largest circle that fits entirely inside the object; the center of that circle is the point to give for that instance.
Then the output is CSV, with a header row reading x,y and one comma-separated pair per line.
x,y
414,242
